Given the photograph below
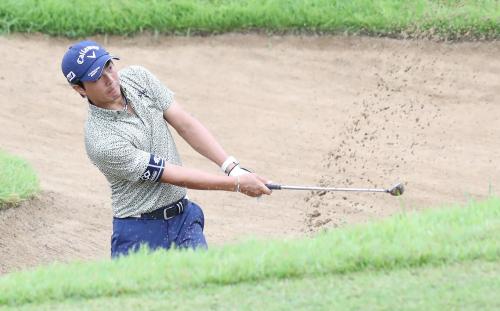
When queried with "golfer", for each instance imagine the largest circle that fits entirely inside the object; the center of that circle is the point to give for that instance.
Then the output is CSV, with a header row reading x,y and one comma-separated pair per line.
x,y
127,138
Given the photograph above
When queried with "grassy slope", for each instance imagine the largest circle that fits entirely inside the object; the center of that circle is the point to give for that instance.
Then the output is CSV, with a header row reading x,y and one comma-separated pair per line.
x,y
18,181
429,18
405,242
466,286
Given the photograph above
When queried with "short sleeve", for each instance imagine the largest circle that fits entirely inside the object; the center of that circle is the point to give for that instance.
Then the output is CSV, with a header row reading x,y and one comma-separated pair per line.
x,y
119,159
164,96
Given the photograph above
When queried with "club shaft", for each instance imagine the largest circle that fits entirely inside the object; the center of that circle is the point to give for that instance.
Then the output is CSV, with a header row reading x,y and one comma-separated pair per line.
x,y
284,187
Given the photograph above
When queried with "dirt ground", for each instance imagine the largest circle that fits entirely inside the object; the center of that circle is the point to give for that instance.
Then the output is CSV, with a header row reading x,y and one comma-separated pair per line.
x,y
335,111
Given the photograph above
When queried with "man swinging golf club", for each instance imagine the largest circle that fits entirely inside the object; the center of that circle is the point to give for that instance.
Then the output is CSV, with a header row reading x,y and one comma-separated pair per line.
x,y
127,138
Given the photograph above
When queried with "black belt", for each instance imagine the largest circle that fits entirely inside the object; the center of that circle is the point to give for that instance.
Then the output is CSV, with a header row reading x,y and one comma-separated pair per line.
x,y
167,212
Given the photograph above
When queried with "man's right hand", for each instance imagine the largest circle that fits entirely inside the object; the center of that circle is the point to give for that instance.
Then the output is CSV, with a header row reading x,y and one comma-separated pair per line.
x,y
253,185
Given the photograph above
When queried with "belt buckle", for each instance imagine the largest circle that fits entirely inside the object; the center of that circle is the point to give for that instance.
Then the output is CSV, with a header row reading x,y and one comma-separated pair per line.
x,y
179,210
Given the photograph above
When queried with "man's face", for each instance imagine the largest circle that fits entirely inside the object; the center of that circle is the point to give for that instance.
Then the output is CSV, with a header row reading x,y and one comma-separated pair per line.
x,y
105,90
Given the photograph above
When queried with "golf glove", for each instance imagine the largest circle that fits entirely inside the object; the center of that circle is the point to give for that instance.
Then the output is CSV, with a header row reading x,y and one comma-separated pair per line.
x,y
231,167
238,171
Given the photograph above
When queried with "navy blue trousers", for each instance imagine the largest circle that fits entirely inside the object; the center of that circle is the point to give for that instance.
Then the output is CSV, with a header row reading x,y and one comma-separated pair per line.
x,y
183,231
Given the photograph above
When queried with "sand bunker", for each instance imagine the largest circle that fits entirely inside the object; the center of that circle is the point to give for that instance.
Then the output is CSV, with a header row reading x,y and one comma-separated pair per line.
x,y
329,111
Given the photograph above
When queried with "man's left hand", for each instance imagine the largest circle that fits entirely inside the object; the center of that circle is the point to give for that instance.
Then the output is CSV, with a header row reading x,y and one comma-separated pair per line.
x,y
238,171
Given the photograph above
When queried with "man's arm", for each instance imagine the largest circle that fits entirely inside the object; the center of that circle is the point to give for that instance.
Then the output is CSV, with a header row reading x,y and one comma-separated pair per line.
x,y
249,184
194,133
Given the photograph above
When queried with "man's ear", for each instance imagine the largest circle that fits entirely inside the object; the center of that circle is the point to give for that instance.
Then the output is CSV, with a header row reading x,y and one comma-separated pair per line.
x,y
80,90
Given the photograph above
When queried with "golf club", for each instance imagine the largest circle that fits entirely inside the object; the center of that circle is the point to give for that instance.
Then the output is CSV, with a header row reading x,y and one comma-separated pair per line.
x,y
396,190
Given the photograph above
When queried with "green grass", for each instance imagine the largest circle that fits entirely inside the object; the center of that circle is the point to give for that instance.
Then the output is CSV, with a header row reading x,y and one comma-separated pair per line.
x,y
452,19
465,286
436,238
18,180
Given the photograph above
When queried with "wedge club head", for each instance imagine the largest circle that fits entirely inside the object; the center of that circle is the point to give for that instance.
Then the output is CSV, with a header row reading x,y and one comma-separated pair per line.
x,y
397,190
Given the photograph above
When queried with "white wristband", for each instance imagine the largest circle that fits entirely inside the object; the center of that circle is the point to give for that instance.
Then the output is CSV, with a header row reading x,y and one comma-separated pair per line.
x,y
228,161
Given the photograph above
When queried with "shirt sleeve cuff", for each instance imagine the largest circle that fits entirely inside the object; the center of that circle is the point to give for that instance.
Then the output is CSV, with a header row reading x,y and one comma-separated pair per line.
x,y
154,170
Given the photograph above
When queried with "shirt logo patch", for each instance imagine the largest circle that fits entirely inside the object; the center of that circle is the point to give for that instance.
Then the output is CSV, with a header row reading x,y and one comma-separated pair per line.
x,y
146,175
156,159
143,93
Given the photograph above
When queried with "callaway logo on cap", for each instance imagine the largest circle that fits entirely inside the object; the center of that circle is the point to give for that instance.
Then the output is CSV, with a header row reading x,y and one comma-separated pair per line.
x,y
84,61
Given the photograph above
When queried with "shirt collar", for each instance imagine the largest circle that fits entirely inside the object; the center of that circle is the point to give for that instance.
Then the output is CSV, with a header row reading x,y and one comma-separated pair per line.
x,y
109,114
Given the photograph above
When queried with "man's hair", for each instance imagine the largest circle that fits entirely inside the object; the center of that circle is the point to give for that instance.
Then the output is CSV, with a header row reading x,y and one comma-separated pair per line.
x,y
80,84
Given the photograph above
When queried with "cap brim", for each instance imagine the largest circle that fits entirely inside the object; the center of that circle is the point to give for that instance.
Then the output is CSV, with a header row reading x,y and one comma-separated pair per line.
x,y
95,71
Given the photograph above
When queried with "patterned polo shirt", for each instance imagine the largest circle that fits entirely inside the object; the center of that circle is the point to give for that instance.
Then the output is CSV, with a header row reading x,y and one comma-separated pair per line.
x,y
131,150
